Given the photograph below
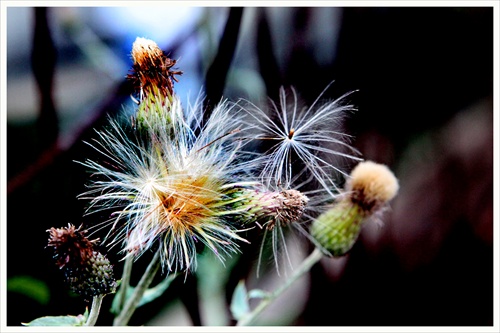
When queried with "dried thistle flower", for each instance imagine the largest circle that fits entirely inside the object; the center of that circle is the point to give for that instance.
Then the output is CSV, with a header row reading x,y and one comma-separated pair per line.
x,y
152,70
87,271
173,190
308,135
370,187
272,208
278,211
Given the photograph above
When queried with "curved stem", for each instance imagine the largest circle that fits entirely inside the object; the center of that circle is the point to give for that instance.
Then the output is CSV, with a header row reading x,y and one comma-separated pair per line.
x,y
131,305
306,265
124,284
94,312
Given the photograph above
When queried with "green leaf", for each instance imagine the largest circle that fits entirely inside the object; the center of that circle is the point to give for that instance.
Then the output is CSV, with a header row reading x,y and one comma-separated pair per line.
x,y
59,321
212,276
239,303
149,295
30,287
153,293
114,306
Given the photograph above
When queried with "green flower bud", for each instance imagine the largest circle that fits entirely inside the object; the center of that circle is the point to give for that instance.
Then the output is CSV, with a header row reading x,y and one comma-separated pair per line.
x,y
370,187
92,279
337,229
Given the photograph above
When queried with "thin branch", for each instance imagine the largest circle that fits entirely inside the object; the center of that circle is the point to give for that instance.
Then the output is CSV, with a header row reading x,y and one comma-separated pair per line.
x,y
268,65
215,80
131,305
306,265
125,282
94,312
43,62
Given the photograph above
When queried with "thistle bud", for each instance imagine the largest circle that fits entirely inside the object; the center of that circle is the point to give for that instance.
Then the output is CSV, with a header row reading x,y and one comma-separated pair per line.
x,y
370,187
153,80
93,278
152,70
87,271
274,207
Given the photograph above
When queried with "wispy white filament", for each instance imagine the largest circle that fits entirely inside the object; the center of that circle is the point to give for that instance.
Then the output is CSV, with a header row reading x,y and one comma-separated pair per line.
x,y
308,134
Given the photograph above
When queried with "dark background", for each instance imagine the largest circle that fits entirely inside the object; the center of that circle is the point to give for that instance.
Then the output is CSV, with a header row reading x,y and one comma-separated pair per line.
x,y
424,81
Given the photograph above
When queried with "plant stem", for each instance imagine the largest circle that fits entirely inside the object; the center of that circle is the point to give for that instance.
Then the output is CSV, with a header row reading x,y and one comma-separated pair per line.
x,y
131,305
94,312
124,284
306,265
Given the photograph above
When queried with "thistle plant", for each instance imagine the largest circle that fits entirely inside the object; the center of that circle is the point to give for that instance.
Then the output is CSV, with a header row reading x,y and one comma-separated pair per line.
x,y
170,184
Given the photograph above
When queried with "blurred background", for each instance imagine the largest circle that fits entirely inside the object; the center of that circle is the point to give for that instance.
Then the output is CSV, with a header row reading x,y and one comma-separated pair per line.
x,y
424,92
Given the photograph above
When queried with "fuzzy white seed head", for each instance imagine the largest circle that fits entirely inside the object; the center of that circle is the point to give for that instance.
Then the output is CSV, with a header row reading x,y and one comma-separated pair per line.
x,y
170,189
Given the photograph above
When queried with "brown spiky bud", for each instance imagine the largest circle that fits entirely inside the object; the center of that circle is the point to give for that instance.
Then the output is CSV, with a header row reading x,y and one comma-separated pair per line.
x,y
87,271
70,245
152,71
